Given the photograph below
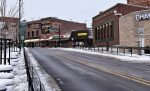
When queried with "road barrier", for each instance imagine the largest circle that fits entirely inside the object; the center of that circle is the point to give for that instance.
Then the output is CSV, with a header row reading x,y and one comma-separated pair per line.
x,y
38,79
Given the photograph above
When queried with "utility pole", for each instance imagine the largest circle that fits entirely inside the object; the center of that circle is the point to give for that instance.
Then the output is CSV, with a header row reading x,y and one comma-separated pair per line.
x,y
59,37
19,23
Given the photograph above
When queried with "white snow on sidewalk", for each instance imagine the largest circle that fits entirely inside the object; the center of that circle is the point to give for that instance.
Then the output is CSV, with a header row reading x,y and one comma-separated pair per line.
x,y
16,80
122,57
20,80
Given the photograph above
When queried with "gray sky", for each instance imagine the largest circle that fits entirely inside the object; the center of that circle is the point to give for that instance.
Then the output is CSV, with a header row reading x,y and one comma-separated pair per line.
x,y
75,10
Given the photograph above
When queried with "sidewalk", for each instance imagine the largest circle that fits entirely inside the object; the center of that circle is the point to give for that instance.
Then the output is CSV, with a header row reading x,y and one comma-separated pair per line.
x,y
127,57
16,79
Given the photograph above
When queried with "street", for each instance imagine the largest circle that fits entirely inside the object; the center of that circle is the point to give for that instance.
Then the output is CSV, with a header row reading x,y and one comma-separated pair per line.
x,y
74,71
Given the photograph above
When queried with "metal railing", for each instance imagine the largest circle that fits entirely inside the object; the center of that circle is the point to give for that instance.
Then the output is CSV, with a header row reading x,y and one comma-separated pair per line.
x,y
116,49
5,45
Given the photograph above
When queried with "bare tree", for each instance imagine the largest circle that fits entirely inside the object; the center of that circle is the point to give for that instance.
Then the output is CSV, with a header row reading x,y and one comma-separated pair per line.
x,y
5,31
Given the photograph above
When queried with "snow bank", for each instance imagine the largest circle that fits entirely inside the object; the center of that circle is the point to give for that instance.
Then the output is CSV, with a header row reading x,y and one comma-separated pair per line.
x,y
6,67
122,57
6,75
2,86
20,80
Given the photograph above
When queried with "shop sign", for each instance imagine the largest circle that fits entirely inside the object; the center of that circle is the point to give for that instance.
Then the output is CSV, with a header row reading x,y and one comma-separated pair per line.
x,y
82,34
143,16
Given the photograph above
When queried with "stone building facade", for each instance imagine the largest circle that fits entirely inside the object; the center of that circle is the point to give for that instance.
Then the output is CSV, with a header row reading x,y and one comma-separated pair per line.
x,y
130,27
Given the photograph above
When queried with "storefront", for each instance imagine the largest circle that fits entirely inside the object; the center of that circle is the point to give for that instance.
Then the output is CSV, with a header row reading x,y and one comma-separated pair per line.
x,y
81,38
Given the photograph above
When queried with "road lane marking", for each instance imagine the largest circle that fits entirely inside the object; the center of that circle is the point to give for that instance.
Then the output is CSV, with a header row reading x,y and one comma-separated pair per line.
x,y
120,74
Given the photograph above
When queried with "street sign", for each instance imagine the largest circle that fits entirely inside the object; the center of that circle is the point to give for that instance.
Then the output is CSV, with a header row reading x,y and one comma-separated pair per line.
x,y
140,31
22,37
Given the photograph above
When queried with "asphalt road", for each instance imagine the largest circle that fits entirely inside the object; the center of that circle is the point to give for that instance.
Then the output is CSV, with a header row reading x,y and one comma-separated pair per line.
x,y
74,71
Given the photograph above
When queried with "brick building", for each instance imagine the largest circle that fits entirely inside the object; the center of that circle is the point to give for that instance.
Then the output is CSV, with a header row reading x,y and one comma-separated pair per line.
x,y
106,24
145,3
130,27
9,28
45,32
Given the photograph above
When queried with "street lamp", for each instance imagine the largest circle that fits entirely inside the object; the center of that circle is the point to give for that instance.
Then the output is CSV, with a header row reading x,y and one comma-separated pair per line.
x,y
117,14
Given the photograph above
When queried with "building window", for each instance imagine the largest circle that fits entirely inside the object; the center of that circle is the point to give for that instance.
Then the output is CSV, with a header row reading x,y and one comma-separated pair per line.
x,y
96,33
28,34
104,31
100,32
32,33
37,33
111,30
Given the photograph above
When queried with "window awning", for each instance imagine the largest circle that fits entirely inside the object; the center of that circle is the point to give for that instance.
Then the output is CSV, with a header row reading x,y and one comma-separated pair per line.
x,y
31,40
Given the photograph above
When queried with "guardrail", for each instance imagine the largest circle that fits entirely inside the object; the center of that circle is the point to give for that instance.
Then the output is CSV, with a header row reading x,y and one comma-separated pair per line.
x,y
117,49
38,79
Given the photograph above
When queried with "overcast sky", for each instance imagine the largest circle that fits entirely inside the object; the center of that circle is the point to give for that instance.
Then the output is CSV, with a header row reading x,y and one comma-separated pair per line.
x,y
75,10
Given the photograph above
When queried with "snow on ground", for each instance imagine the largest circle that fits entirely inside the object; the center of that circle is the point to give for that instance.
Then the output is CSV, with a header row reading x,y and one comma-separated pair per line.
x,y
122,57
20,80
16,80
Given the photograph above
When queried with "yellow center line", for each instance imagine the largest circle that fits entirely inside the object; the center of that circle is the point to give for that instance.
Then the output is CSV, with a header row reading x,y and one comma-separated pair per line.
x,y
120,74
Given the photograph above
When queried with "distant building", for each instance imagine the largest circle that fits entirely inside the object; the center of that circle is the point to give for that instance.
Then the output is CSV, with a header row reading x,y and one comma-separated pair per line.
x,y
23,27
9,28
45,32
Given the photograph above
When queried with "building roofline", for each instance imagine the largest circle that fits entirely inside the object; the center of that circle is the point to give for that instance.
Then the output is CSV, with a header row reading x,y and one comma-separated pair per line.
x,y
60,20
118,5
136,12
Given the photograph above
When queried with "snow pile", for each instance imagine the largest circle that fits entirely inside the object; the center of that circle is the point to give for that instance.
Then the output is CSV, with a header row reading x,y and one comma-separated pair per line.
x,y
16,79
20,80
2,86
6,75
6,67
122,57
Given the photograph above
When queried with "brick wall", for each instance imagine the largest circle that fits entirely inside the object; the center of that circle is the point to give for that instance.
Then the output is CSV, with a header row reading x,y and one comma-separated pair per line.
x,y
128,29
139,2
65,26
135,1
32,26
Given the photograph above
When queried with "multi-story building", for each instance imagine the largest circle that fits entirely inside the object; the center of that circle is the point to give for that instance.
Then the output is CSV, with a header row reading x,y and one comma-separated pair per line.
x,y
33,32
46,31
9,28
106,24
